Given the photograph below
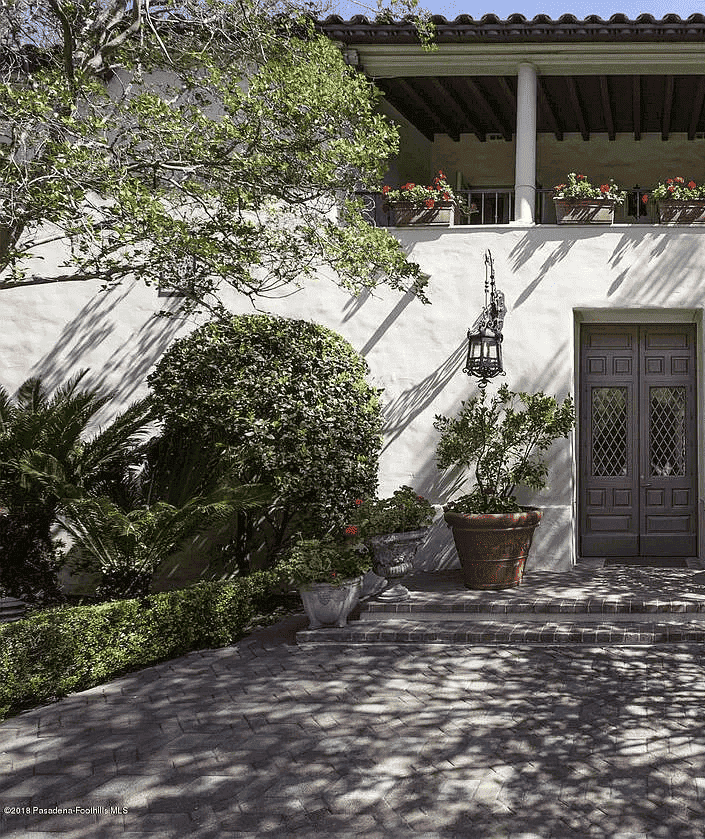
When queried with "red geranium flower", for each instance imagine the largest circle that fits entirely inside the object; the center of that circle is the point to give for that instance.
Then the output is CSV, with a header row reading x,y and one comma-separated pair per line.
x,y
671,188
691,184
680,180
644,199
351,530
358,502
604,188
429,203
409,186
669,180
385,189
446,197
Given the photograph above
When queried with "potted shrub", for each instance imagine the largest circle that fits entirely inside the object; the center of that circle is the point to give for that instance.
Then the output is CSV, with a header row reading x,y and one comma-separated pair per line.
x,y
328,575
503,440
580,202
394,528
415,204
679,201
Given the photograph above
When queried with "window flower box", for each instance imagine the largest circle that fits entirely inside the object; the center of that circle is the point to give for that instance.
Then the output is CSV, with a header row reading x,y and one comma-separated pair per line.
x,y
681,212
409,214
584,211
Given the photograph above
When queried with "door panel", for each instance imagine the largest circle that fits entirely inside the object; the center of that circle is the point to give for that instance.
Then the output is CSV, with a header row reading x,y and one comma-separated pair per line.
x,y
637,440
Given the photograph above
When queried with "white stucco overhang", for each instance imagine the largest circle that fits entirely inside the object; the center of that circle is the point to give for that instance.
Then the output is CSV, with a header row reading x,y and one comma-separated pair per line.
x,y
503,59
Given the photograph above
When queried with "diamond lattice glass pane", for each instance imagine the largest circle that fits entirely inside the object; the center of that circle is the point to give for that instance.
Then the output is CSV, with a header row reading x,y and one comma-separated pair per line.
x,y
609,431
667,431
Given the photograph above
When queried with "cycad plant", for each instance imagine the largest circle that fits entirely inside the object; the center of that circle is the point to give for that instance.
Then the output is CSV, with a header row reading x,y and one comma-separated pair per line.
x,y
45,460
126,548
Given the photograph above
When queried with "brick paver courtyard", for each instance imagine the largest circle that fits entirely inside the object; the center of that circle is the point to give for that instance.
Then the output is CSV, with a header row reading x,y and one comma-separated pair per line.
x,y
265,739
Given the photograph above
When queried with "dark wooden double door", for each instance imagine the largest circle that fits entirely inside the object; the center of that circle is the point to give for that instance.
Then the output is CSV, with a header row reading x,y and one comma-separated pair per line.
x,y
637,441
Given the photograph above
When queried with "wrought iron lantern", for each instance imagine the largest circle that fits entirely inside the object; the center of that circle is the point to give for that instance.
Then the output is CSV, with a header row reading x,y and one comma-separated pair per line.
x,y
485,335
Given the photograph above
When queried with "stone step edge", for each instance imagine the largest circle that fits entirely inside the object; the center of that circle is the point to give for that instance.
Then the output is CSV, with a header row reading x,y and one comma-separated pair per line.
x,y
484,632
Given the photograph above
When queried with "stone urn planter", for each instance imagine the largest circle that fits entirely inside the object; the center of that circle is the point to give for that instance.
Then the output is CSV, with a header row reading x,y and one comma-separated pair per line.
x,y
493,547
330,605
690,211
584,211
410,214
394,558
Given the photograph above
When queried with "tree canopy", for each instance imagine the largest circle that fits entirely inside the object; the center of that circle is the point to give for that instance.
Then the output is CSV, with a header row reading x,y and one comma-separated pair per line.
x,y
189,145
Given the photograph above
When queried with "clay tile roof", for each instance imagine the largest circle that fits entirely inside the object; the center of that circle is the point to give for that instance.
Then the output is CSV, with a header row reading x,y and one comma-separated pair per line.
x,y
516,28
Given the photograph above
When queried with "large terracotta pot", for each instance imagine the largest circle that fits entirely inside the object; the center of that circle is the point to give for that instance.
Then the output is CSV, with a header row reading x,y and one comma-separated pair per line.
x,y
328,605
584,211
493,547
681,212
394,559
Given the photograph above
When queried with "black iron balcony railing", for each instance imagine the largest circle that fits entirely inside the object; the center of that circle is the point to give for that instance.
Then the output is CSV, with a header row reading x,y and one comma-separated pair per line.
x,y
496,206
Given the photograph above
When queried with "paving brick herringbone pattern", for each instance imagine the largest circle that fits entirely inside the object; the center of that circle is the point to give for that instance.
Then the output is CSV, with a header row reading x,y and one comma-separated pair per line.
x,y
265,739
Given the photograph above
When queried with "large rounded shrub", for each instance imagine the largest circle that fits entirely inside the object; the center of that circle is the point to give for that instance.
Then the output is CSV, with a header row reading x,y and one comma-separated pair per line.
x,y
288,402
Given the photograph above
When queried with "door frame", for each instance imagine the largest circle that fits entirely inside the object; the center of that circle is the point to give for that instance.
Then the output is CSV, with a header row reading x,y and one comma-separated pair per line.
x,y
635,317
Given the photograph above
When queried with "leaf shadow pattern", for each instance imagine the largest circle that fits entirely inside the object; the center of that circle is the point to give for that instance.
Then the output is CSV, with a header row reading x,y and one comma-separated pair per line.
x,y
396,741
400,413
124,364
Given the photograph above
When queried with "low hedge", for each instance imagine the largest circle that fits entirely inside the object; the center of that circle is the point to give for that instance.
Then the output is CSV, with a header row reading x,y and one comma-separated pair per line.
x,y
59,651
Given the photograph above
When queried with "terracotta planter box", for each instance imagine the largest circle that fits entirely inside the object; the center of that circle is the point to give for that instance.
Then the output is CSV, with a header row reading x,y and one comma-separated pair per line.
x,y
682,212
407,214
586,211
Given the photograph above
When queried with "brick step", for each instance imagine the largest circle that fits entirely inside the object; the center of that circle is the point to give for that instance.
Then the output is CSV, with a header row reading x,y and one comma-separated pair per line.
x,y
11,609
462,605
556,630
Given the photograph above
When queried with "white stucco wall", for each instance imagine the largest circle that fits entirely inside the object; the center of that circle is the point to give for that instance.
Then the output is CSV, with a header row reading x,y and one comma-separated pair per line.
x,y
416,353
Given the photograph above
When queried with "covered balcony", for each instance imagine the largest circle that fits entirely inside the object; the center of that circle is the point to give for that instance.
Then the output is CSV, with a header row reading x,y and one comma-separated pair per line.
x,y
506,109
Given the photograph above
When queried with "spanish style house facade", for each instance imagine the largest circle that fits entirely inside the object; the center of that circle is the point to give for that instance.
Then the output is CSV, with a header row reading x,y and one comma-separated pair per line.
x,y
612,314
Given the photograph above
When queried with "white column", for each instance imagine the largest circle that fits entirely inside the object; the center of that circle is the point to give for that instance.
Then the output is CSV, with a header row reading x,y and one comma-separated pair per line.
x,y
525,170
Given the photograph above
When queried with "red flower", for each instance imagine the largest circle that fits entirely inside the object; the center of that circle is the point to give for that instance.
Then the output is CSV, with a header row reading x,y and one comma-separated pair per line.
x,y
604,188
644,199
440,174
671,188
351,530
581,177
669,180
691,184
446,196
429,203
680,180
385,189
409,186
358,502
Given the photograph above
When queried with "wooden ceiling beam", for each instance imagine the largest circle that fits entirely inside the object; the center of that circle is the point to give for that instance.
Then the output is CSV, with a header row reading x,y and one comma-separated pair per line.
x,y
574,100
607,107
449,102
485,108
545,105
667,107
412,106
697,108
636,106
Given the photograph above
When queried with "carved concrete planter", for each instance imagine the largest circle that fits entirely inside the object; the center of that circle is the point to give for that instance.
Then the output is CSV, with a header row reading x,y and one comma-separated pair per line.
x,y
493,547
328,605
681,212
409,214
584,211
394,559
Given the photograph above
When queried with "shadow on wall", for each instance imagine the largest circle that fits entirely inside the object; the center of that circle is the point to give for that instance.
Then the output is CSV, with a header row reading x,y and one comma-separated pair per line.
x,y
403,410
125,362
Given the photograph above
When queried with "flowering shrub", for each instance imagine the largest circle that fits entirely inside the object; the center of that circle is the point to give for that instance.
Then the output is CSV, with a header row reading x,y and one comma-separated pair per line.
x,y
403,512
677,189
426,196
325,561
579,186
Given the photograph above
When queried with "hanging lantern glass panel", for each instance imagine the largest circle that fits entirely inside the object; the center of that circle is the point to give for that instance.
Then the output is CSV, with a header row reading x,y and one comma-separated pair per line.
x,y
485,335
